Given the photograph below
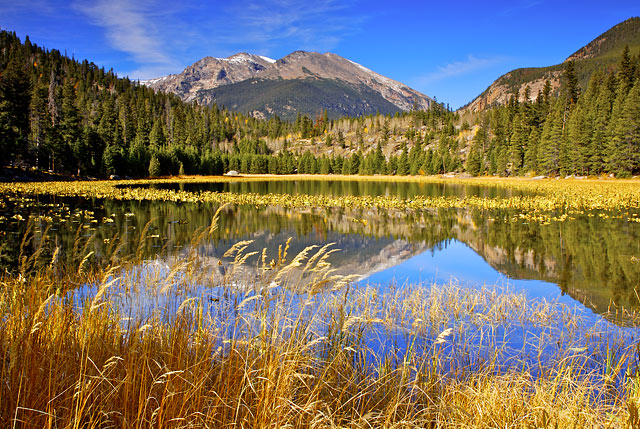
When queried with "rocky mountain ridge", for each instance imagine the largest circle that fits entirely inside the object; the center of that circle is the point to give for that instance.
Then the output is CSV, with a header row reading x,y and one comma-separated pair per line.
x,y
327,73
210,72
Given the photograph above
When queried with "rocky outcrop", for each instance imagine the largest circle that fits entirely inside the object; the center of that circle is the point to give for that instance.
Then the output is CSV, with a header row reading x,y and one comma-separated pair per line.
x,y
501,91
210,73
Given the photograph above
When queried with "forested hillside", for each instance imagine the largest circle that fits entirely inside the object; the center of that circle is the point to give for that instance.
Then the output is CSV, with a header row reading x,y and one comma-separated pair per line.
x,y
584,134
65,116
601,54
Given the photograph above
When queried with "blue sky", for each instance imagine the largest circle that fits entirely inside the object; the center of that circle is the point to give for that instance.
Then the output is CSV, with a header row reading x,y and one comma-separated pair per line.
x,y
450,50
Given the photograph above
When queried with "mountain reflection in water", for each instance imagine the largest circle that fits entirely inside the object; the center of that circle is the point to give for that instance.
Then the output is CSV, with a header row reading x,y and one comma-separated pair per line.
x,y
591,258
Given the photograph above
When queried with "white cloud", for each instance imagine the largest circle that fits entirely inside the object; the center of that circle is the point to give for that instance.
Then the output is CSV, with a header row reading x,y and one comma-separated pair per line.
x,y
459,68
12,6
519,7
130,27
162,38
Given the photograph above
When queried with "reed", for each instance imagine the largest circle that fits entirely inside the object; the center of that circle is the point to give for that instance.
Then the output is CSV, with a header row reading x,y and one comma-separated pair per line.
x,y
175,342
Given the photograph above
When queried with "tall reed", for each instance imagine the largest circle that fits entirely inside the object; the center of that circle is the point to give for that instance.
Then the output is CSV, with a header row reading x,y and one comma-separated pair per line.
x,y
186,342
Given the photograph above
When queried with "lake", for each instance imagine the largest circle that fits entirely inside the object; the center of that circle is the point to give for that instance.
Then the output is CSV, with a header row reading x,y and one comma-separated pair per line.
x,y
474,279
589,260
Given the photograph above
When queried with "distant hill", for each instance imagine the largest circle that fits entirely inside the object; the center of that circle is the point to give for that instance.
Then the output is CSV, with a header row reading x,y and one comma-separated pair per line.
x,y
600,54
302,82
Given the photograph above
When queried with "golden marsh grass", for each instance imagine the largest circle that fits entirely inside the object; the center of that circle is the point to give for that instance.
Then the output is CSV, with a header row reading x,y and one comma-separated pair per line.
x,y
290,344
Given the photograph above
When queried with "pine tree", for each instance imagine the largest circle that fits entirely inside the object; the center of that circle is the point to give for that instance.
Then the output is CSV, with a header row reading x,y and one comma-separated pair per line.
x,y
403,163
70,129
39,124
531,151
517,142
14,112
156,136
154,166
499,153
551,139
579,133
474,161
570,83
600,114
139,157
426,164
625,140
356,162
346,166
625,71
113,160
416,157
274,165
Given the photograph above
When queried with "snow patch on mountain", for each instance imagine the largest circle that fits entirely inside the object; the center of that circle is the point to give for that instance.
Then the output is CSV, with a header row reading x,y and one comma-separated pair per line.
x,y
267,59
149,82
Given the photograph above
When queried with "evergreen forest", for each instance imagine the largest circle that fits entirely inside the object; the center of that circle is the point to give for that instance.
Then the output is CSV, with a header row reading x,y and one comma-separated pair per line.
x,y
72,117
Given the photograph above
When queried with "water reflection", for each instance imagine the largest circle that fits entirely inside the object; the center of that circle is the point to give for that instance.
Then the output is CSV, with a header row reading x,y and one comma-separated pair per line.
x,y
342,188
592,258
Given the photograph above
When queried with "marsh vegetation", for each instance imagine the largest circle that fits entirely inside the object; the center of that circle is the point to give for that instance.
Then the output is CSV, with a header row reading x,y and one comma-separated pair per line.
x,y
171,304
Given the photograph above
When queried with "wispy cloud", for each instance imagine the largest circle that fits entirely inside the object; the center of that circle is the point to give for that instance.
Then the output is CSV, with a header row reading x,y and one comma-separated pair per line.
x,y
318,25
459,68
162,39
130,27
42,6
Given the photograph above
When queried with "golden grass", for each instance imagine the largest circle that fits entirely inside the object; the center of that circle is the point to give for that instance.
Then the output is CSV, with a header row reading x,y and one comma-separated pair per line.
x,y
289,344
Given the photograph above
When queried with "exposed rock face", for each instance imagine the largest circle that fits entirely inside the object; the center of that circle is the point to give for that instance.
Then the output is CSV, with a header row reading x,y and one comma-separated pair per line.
x,y
500,91
210,73
300,65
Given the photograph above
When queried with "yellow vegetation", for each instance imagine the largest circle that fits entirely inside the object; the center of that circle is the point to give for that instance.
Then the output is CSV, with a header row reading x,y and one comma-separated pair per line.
x,y
544,200
179,344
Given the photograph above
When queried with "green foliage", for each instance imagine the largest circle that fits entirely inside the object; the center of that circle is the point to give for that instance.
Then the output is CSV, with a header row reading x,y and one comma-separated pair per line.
x,y
588,133
71,117
154,167
14,110
474,159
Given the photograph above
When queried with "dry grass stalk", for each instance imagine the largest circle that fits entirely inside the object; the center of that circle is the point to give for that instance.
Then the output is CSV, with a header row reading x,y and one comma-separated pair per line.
x,y
306,350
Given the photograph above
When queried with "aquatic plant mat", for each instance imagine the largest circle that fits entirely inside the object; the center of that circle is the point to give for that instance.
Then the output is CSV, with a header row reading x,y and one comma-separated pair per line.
x,y
546,200
185,342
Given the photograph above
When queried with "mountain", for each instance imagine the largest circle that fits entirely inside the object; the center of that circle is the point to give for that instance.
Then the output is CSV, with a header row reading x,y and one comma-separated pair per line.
x,y
210,73
600,54
301,82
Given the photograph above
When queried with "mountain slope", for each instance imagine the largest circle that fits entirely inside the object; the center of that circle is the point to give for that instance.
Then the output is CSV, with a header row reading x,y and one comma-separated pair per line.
x,y
287,98
209,73
305,82
600,54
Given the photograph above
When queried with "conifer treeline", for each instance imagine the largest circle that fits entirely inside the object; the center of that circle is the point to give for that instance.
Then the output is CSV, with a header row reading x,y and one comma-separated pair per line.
x,y
583,134
66,116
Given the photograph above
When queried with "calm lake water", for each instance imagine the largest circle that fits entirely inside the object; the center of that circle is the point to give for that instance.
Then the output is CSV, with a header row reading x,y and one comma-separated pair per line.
x,y
342,188
590,261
